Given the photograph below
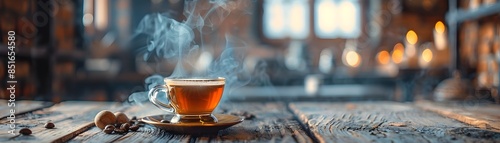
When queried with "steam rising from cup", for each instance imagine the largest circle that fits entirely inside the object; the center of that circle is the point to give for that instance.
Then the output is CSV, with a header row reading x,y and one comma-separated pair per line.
x,y
169,39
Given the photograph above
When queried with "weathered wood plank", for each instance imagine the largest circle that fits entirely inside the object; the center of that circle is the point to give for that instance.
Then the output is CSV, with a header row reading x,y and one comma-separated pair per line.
x,y
144,134
271,122
70,118
150,133
482,115
384,122
20,107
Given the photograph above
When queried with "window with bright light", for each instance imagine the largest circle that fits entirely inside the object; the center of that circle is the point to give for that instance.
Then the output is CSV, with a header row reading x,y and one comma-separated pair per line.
x,y
286,19
337,18
332,19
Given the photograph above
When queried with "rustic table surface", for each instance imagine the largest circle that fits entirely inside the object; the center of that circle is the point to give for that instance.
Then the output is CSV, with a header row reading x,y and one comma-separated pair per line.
x,y
377,121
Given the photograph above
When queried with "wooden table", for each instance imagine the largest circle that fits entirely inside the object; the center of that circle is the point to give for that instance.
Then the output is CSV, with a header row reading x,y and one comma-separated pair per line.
x,y
378,121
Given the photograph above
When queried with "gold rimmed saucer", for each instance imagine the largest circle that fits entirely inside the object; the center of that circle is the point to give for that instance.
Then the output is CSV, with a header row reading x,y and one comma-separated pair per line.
x,y
224,121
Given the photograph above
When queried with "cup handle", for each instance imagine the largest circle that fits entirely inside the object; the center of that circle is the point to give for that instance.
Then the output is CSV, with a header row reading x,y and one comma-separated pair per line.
x,y
152,95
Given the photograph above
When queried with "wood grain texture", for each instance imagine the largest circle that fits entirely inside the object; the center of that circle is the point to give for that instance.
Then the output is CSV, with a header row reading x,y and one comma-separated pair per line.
x,y
71,118
266,122
272,122
144,134
384,122
150,133
20,107
482,115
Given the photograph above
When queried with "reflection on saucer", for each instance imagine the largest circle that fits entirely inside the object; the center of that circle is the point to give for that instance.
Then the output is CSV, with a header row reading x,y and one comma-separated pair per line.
x,y
224,121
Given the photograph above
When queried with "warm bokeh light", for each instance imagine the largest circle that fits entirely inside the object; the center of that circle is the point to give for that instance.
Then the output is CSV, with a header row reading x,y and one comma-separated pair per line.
x,y
383,57
353,59
348,23
427,55
298,20
101,15
275,12
411,37
440,28
398,53
440,36
286,19
337,19
325,16
277,15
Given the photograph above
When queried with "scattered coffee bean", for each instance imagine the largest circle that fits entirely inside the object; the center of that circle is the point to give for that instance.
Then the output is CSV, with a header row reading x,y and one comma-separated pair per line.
x,y
133,122
134,118
111,127
134,128
49,125
108,130
25,131
165,121
125,126
119,131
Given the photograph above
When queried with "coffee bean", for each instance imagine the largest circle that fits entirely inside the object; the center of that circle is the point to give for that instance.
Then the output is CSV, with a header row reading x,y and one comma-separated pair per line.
x,y
134,128
133,122
118,125
134,118
49,125
165,121
108,130
25,131
111,127
119,131
125,126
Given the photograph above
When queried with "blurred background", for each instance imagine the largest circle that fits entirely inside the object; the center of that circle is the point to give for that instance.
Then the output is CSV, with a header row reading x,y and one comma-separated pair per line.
x,y
401,50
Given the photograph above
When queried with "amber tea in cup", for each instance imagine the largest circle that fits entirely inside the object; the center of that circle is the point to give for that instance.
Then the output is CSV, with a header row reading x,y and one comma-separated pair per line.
x,y
191,99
